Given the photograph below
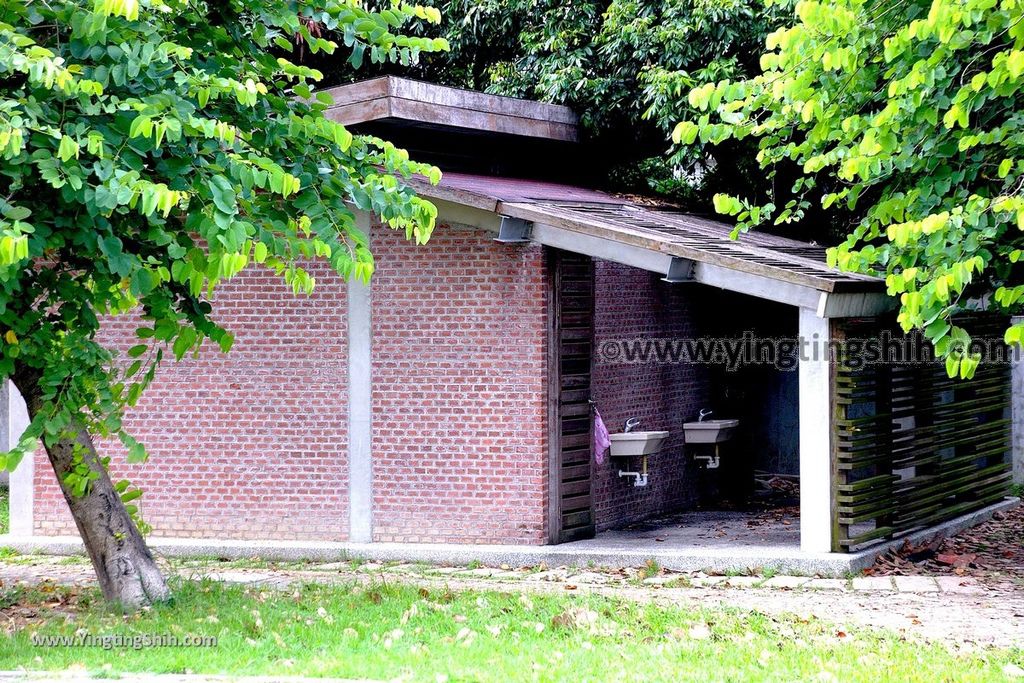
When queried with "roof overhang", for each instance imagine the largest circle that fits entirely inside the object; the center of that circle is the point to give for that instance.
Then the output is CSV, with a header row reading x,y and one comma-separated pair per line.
x,y
392,99
659,240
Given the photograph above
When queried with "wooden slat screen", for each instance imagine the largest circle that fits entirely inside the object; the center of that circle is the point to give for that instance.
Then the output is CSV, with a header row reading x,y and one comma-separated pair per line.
x,y
915,448
572,332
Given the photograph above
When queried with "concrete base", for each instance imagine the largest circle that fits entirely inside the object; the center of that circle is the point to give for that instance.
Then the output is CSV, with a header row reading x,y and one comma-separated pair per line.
x,y
787,559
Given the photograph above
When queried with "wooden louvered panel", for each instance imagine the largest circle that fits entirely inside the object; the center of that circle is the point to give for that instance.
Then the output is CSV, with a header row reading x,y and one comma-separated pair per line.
x,y
914,447
571,349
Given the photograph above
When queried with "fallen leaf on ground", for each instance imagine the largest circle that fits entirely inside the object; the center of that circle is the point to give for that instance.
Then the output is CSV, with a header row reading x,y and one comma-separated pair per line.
x,y
575,618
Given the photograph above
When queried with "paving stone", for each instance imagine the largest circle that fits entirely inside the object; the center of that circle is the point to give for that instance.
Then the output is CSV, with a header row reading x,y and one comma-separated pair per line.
x,y
590,577
239,577
505,574
873,583
480,571
916,584
826,584
704,581
370,566
743,581
446,570
660,580
958,584
331,566
785,582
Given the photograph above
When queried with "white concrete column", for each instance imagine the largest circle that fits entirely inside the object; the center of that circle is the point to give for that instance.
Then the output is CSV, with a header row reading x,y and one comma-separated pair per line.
x,y
1017,408
360,406
815,434
14,418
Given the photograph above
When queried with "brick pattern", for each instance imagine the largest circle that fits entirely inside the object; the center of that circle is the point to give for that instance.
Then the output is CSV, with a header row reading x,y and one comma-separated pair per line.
x,y
251,445
633,303
459,400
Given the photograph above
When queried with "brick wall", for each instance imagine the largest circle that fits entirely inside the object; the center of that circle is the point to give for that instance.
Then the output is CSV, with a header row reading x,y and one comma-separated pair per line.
x,y
459,400
633,303
253,444
248,445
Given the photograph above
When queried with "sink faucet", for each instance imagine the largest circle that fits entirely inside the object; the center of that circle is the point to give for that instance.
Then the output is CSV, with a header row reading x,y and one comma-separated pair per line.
x,y
631,424
704,413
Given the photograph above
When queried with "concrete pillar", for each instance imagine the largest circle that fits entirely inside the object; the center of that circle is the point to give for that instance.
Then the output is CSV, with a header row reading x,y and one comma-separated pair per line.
x,y
5,429
1017,405
13,421
815,434
360,407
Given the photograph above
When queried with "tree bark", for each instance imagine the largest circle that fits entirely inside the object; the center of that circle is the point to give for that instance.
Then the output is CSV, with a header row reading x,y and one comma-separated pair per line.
x,y
125,568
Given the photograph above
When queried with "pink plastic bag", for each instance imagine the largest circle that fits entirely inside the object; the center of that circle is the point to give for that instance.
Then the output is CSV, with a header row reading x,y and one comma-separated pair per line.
x,y
601,439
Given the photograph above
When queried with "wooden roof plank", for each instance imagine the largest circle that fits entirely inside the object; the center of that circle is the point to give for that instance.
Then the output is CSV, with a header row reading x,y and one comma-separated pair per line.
x,y
742,259
401,98
595,214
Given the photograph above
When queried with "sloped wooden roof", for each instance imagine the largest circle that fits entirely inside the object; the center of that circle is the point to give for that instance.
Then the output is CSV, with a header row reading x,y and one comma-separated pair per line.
x,y
652,227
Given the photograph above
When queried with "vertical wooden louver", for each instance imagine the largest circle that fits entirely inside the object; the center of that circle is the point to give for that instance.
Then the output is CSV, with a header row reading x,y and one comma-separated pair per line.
x,y
572,339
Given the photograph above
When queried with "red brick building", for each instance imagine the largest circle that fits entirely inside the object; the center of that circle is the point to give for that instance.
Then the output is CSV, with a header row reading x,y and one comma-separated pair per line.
x,y
451,401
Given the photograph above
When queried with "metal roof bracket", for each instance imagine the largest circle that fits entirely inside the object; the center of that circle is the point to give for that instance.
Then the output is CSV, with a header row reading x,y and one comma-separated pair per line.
x,y
514,231
680,270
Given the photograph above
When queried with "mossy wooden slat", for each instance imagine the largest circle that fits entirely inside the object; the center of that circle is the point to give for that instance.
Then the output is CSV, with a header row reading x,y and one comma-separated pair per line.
x,y
880,533
914,447
911,507
867,484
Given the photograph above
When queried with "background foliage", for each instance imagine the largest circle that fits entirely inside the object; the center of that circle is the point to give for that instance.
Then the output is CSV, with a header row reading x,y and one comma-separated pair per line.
x,y
910,116
151,150
624,65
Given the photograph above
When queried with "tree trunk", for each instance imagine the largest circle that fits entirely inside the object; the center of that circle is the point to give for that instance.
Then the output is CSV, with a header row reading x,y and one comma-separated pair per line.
x,y
125,568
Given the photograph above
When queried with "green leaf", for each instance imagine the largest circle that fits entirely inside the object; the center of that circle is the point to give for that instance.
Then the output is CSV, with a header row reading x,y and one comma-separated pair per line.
x,y
186,338
119,262
223,194
129,496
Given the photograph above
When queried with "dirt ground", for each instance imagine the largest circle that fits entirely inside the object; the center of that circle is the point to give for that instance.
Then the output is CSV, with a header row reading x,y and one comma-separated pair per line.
x,y
992,552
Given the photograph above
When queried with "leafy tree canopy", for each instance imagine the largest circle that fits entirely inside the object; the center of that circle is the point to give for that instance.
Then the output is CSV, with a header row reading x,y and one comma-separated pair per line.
x,y
152,149
910,115
623,65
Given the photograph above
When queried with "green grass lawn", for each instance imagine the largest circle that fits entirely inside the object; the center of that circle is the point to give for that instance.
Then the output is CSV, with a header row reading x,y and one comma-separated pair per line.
x,y
385,632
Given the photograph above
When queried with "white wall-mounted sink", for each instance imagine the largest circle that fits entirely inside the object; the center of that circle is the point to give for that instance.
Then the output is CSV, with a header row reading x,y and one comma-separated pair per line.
x,y
709,431
636,443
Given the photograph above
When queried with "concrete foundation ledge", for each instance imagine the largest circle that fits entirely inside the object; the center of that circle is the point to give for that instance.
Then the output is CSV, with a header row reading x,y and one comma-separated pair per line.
x,y
783,559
